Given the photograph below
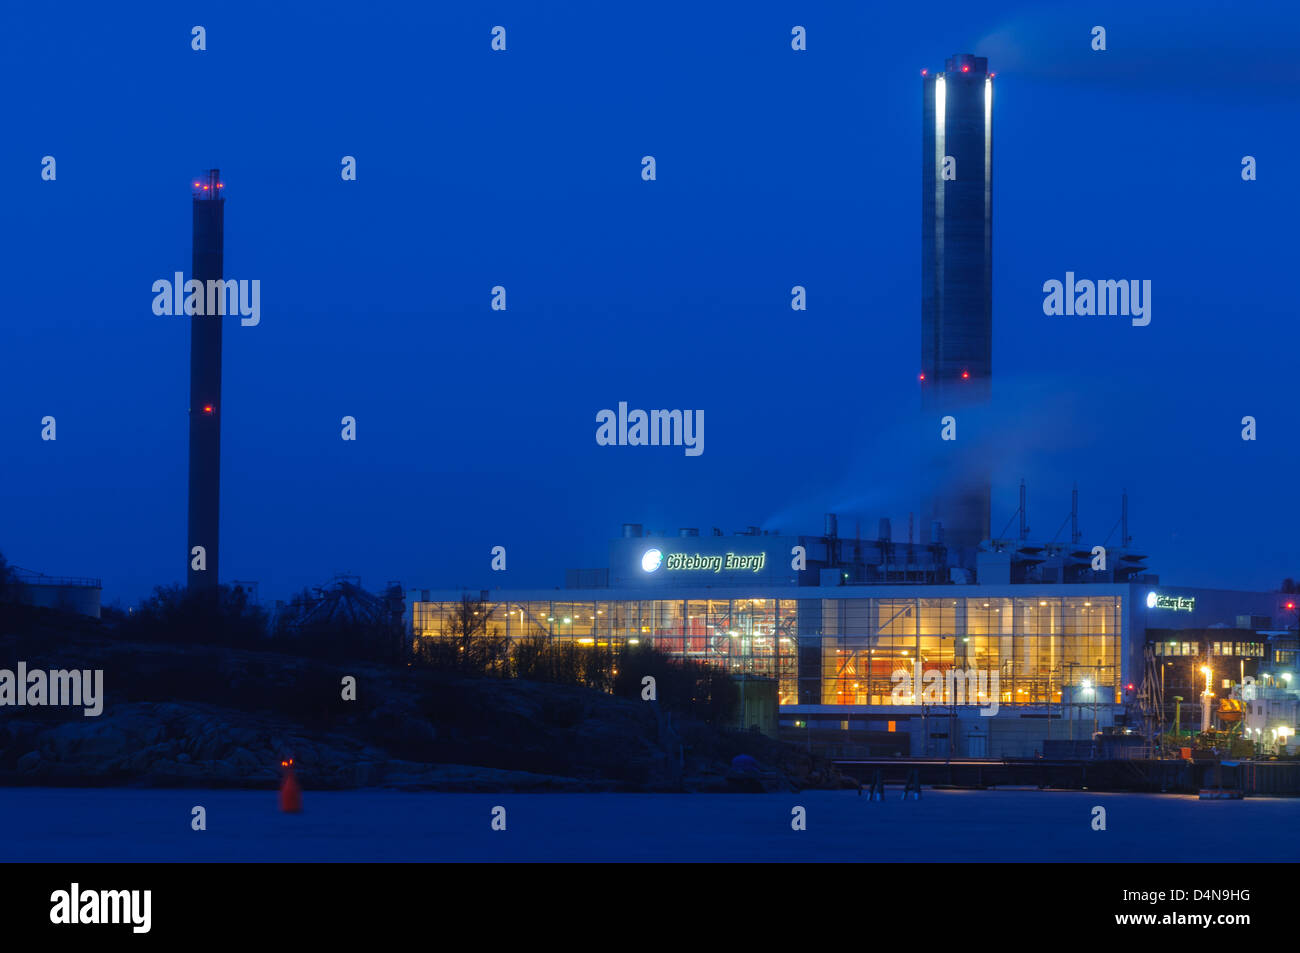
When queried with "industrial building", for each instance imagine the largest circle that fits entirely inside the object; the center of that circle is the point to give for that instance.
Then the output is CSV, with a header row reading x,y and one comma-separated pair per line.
x,y
955,642
871,644
75,594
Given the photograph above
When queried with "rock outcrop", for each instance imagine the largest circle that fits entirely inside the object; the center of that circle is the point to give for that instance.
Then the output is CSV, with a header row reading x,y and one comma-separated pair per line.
x,y
213,717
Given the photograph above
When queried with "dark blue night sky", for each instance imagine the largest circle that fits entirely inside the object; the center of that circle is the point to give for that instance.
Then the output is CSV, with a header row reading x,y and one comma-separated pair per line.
x,y
775,168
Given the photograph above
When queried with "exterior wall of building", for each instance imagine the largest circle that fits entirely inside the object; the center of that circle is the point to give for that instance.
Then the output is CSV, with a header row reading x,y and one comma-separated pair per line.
x,y
81,599
888,668
1194,620
948,731
1183,607
687,561
871,647
700,562
1270,716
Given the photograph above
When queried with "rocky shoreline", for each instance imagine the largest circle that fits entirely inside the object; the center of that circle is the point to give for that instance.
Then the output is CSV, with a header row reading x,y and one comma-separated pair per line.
x,y
186,716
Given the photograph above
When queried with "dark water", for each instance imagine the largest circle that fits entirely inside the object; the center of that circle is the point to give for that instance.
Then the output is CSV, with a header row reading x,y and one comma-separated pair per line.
x,y
61,824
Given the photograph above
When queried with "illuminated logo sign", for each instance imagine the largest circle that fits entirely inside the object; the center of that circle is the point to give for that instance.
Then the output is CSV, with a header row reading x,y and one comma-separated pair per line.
x,y
652,560
732,562
1156,600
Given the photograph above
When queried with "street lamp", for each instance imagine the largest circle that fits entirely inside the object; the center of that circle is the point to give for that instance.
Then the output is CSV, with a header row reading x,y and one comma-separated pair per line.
x,y
1087,687
1205,700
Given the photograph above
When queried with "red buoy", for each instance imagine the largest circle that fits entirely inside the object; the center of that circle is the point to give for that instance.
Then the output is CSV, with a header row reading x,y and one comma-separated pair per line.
x,y
290,792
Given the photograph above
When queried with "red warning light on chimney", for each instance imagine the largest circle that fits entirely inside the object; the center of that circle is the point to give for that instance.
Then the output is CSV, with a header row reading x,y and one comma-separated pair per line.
x,y
207,408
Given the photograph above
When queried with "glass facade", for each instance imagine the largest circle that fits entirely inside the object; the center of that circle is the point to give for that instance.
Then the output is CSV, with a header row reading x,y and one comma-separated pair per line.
x,y
846,651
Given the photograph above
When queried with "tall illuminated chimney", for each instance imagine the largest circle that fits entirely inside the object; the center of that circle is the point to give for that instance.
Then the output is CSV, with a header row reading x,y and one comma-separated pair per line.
x,y
957,281
205,388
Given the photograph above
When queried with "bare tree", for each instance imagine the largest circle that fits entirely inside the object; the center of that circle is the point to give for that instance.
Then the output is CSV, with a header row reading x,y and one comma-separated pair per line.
x,y
466,630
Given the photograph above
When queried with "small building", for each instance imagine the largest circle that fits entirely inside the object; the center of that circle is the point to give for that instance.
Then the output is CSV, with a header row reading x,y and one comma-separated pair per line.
x,y
64,593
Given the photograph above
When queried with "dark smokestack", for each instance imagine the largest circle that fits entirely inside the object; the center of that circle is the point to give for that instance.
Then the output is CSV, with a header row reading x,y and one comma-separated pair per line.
x,y
205,388
957,279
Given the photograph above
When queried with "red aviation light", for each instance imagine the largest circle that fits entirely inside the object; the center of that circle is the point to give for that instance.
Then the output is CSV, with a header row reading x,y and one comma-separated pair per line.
x,y
965,69
1290,605
207,408
925,72
922,375
965,375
